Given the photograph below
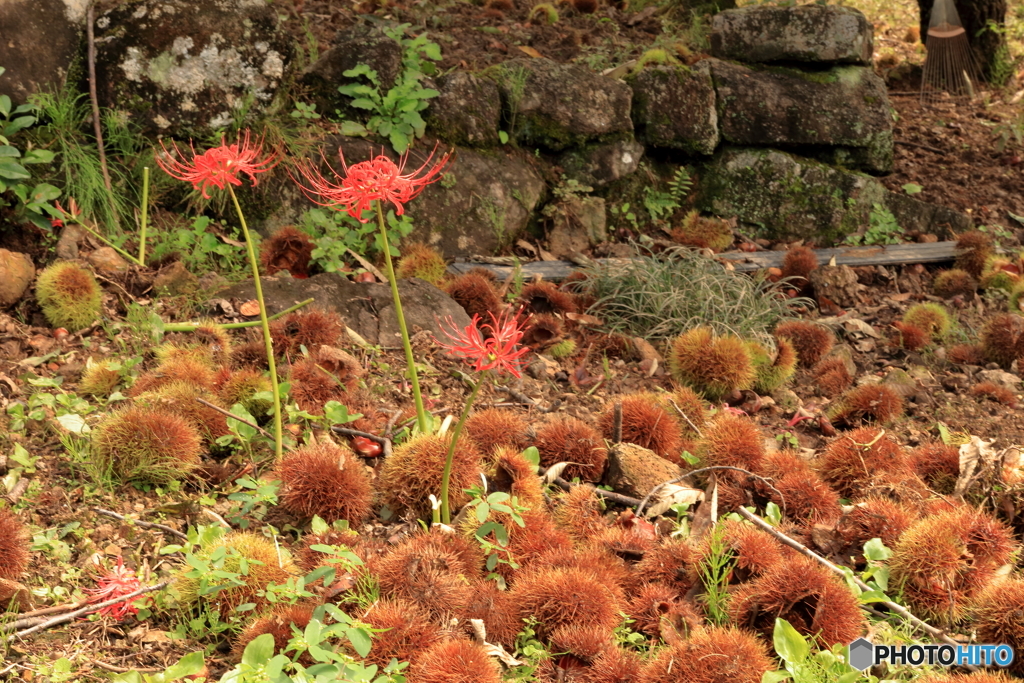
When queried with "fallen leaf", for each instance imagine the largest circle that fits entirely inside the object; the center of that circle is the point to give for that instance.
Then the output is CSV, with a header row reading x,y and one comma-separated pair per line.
x,y
584,319
250,308
527,50
673,494
859,326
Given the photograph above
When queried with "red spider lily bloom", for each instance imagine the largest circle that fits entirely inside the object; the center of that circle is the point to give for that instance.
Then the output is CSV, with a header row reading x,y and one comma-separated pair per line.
x,y
379,179
497,352
218,166
117,582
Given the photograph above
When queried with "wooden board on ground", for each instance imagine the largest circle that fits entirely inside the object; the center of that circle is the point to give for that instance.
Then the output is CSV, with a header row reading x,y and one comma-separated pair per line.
x,y
744,262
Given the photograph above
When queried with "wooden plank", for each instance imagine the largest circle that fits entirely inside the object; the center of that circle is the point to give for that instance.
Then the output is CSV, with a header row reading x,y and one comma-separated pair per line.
x,y
746,262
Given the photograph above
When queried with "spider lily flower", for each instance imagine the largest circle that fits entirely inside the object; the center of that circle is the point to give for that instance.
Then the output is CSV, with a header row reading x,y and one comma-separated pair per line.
x,y
218,166
117,582
378,179
497,352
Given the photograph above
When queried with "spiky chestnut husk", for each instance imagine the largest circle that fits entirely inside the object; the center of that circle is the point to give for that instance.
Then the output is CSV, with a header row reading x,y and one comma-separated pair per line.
x,y
811,341
325,480
655,606
714,655
1016,301
214,340
546,297
581,641
966,354
703,233
310,328
413,473
179,347
813,600
613,345
647,423
953,282
476,294
806,498
313,387
771,374
630,542
174,370
14,546
875,517
995,392
1002,339
973,249
710,365
422,261
241,386
673,563
944,559
999,279
614,665
976,677
99,379
998,613
606,566
753,551
909,337
938,464
931,317
832,377
179,398
568,439
69,295
578,513
490,604
250,354
278,623
565,597
691,405
455,661
517,476
799,262
147,445
542,330
287,249
526,544
852,461
432,569
562,349
264,563
867,403
494,428
405,631
731,440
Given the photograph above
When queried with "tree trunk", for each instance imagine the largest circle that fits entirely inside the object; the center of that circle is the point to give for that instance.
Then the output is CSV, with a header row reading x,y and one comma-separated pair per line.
x,y
975,15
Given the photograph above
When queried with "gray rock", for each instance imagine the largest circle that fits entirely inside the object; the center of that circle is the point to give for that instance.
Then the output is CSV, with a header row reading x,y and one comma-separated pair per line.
x,y
16,274
602,163
845,106
360,44
580,224
804,33
39,41
467,112
561,105
70,237
674,107
366,308
174,280
1001,377
107,261
839,284
923,217
635,471
189,65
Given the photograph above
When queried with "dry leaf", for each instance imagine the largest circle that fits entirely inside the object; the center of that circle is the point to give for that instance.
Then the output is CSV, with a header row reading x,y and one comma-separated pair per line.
x,y
527,50
976,456
526,246
673,494
250,308
584,319
858,325
555,471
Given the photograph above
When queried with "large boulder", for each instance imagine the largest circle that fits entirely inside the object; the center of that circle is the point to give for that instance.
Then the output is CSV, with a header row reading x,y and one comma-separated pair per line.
x,y
785,197
843,107
189,66
467,111
368,309
556,106
674,107
804,33
39,41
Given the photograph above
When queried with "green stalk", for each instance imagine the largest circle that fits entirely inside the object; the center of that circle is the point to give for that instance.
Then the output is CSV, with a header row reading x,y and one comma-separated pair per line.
x,y
410,361
267,341
446,475
145,214
191,327
110,244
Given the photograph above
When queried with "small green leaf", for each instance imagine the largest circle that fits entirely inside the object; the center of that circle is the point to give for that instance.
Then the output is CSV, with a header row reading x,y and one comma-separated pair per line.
x,y
353,128
532,455
13,171
364,103
8,151
38,156
360,640
503,137
876,551
873,596
790,645
912,188
259,650
775,676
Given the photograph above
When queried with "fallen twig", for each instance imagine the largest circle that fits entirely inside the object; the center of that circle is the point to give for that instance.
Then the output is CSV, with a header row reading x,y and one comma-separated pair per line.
x,y
138,522
836,569
933,150
227,413
523,399
643,503
63,618
385,443
601,493
617,423
686,417
124,670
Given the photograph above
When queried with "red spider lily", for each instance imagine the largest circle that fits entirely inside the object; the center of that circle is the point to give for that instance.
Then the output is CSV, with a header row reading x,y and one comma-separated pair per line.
x,y
379,179
496,352
218,166
117,582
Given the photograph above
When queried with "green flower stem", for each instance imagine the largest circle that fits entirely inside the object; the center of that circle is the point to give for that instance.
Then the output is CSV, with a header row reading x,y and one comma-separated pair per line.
x,y
410,361
192,327
110,244
145,215
265,324
446,475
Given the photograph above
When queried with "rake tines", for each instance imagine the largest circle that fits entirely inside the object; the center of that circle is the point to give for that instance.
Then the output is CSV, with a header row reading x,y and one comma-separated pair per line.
x,y
950,66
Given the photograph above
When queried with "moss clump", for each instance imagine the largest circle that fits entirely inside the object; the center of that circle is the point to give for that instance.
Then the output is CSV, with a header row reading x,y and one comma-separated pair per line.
x,y
69,295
